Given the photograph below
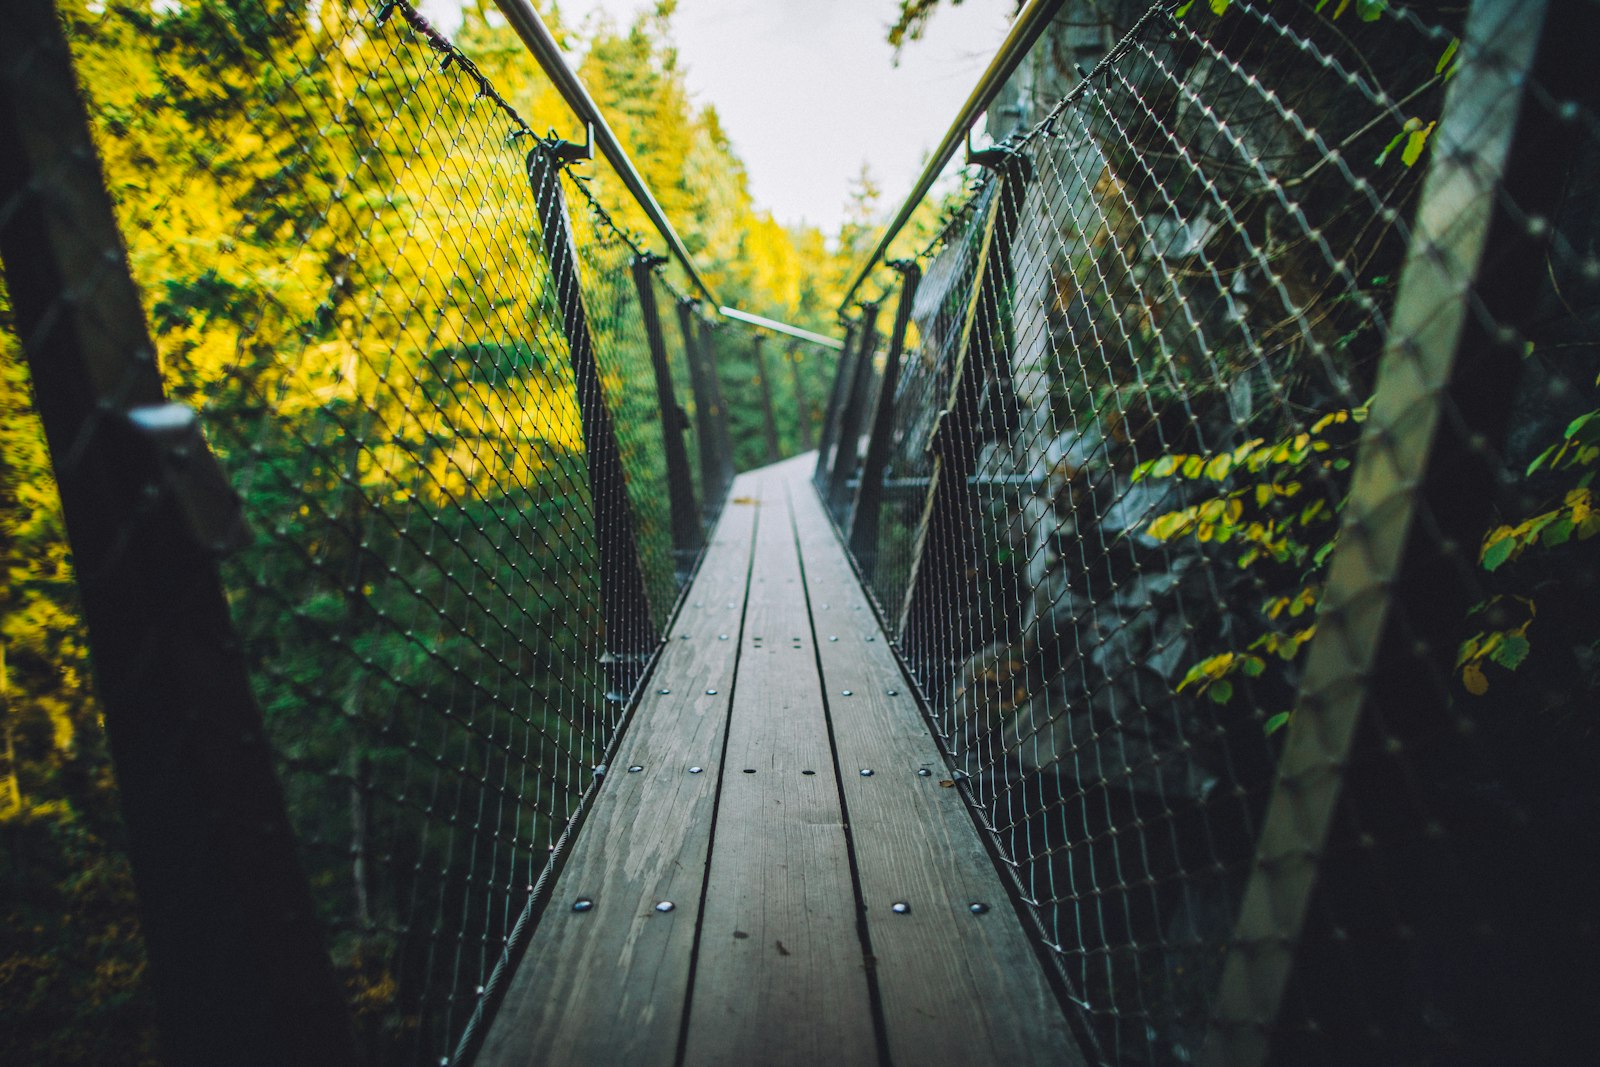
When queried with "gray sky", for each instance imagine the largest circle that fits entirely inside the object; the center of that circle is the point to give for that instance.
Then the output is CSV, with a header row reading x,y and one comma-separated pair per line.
x,y
807,90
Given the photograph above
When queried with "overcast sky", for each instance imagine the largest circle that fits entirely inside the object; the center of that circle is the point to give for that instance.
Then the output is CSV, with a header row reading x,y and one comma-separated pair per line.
x,y
807,89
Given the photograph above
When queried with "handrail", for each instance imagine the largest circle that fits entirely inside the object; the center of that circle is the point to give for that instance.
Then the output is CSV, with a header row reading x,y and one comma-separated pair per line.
x,y
781,327
1030,23
531,28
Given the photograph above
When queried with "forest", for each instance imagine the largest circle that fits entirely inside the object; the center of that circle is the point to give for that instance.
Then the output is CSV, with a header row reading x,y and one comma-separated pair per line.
x,y
282,297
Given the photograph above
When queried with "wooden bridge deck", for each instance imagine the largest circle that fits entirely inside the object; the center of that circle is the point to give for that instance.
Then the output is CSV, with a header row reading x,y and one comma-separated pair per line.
x,y
732,897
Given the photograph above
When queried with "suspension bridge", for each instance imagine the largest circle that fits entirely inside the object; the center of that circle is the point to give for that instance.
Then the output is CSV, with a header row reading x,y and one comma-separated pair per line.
x,y
1153,625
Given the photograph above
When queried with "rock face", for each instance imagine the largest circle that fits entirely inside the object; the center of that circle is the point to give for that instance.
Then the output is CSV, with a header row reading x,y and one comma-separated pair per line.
x,y
1206,247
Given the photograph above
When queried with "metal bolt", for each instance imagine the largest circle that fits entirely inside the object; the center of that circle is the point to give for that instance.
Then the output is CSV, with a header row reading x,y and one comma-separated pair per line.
x,y
665,905
871,638
711,692
894,692
977,908
866,772
635,769
923,772
582,904
832,638
722,637
900,907
846,692
696,770
663,692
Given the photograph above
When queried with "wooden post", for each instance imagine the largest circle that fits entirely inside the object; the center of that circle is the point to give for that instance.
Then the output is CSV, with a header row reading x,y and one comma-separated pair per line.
x,y
769,425
686,532
848,448
830,417
802,406
705,425
942,602
238,959
630,631
869,493
1370,702
719,410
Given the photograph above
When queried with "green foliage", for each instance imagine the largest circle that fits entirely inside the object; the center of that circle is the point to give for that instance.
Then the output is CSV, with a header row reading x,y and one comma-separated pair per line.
x,y
1568,464
1273,504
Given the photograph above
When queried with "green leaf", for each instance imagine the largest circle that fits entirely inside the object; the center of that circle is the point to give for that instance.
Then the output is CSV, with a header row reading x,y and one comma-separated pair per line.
x,y
1497,553
1512,651
1383,157
1449,54
1415,144
1220,692
1252,666
1184,10
1370,10
1557,533
1220,7
1276,723
1585,429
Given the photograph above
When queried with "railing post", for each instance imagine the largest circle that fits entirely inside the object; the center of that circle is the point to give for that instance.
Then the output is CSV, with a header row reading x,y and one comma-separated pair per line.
x,y
630,631
686,532
836,396
719,410
980,408
802,407
869,492
705,430
770,425
238,960
848,448
1375,718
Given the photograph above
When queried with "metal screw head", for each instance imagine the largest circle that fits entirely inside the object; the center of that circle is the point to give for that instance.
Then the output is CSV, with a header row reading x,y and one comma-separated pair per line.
x,y
894,692
866,772
808,772
665,905
923,772
900,907
711,692
977,908
722,637
871,638
832,638
663,692
635,769
696,770
846,692
582,904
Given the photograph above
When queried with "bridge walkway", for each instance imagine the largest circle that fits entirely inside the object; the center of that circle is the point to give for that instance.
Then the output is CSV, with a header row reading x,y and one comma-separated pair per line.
x,y
777,868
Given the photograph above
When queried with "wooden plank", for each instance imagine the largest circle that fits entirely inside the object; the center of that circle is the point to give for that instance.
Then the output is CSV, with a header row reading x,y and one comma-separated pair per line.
x,y
607,985
955,986
780,977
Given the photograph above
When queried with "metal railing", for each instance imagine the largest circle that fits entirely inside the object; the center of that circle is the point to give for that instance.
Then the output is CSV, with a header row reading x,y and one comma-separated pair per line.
x,y
1226,479
385,455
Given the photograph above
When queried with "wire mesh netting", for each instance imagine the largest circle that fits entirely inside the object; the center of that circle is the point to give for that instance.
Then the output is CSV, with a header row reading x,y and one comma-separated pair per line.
x,y
328,216
1253,624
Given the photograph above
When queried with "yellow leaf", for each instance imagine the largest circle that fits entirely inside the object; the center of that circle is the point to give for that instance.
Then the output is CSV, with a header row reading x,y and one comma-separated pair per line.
x,y
1474,679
